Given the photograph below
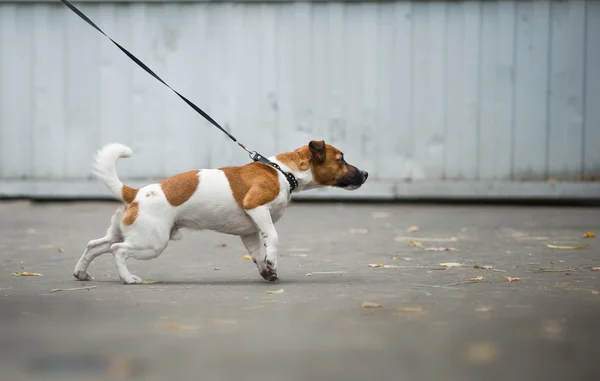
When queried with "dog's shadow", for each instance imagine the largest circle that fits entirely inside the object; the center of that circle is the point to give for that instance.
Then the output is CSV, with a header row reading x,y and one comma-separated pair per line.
x,y
294,280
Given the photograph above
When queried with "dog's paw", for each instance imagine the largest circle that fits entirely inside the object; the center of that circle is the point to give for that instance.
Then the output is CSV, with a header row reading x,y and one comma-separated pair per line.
x,y
82,275
269,273
132,279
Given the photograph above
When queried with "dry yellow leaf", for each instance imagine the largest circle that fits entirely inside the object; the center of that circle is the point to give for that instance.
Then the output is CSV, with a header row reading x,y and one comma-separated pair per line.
x,y
413,229
370,305
247,258
552,181
280,291
481,353
559,247
415,243
440,249
26,273
477,278
173,326
400,259
221,245
414,310
380,215
382,266
61,250
149,281
451,264
512,279
595,268
482,267
589,235
595,292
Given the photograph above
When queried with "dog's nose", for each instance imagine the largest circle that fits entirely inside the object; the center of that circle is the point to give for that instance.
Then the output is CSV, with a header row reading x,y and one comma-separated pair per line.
x,y
365,174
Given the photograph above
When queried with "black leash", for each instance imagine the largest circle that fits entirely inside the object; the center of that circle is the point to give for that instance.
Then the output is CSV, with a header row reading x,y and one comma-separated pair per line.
x,y
255,156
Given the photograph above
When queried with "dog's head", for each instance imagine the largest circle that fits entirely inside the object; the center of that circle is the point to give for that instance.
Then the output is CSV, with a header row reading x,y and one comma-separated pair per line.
x,y
329,167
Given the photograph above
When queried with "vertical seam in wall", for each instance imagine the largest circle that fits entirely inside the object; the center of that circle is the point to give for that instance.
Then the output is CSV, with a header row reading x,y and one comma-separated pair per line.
x,y
548,90
584,88
480,103
411,118
445,92
513,94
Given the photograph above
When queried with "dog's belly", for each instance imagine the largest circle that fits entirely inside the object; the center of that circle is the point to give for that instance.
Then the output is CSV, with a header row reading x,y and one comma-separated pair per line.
x,y
212,207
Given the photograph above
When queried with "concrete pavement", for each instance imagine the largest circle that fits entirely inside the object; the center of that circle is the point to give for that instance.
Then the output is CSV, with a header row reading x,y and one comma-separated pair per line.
x,y
209,317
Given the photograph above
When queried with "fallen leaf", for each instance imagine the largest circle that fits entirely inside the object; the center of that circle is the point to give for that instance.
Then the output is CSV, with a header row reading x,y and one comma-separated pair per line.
x,y
380,215
382,266
595,292
60,250
477,278
481,353
482,267
26,273
326,273
451,264
440,249
595,268
173,326
73,289
149,281
589,235
512,279
247,258
400,259
274,292
358,231
221,245
298,255
415,243
559,247
413,229
370,305
225,321
425,239
483,309
552,181
217,268
414,310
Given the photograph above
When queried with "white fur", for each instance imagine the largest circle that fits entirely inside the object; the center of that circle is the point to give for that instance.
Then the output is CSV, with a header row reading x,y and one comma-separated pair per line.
x,y
211,207
104,167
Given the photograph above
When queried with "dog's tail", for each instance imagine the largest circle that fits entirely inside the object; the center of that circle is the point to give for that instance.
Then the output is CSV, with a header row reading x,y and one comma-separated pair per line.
x,y
105,170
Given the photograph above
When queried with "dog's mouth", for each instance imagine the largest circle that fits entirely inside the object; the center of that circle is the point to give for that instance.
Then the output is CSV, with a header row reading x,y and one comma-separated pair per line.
x,y
354,181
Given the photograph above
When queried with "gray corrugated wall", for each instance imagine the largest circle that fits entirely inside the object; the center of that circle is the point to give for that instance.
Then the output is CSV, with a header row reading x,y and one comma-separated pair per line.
x,y
433,98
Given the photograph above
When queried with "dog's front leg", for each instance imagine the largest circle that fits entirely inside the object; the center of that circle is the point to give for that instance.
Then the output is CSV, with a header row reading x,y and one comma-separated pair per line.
x,y
267,264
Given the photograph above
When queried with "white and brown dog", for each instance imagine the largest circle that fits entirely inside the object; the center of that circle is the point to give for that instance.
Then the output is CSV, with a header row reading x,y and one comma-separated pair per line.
x,y
244,201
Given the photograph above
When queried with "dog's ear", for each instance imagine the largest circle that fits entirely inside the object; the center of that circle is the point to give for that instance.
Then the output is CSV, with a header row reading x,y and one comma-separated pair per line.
x,y
317,148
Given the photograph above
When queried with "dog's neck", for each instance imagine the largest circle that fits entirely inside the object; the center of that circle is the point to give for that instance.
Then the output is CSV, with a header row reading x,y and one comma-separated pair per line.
x,y
298,163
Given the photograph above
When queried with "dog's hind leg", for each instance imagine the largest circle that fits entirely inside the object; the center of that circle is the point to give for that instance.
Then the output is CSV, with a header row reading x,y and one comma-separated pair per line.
x,y
98,247
142,245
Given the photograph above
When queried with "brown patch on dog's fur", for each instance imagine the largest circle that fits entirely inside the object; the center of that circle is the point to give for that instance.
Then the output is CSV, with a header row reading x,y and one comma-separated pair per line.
x,y
252,185
150,194
298,160
128,194
131,214
179,188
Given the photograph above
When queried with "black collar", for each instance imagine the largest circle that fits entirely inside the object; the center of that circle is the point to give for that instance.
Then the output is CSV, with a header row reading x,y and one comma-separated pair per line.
x,y
291,179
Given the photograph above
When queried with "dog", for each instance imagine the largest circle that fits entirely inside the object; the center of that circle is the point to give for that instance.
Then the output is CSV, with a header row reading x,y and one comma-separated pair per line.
x,y
245,201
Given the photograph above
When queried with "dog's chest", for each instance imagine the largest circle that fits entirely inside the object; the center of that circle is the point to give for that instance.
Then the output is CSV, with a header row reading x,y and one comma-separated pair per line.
x,y
277,206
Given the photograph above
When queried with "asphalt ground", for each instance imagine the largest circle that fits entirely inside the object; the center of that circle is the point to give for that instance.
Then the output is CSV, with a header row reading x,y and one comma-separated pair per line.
x,y
206,315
